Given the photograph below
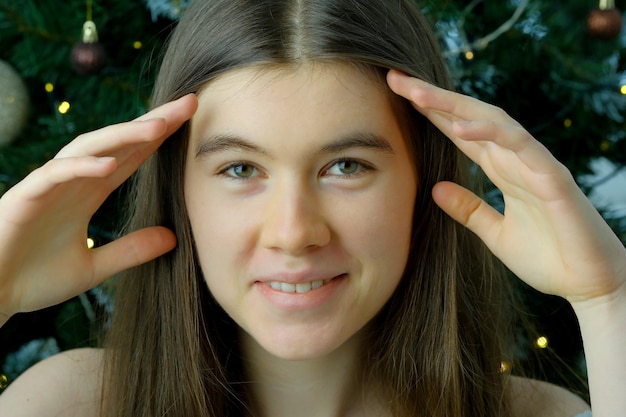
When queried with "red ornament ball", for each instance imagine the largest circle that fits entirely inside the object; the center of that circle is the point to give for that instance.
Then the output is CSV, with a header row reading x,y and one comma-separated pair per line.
x,y
88,58
604,24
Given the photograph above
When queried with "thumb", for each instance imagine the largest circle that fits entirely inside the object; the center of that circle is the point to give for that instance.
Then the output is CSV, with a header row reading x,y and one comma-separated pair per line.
x,y
131,250
469,210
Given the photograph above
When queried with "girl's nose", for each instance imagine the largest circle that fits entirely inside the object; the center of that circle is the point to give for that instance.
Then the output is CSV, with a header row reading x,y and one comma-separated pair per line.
x,y
293,222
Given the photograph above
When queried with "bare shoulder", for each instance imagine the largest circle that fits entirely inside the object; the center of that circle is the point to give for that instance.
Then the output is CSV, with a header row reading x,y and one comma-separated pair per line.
x,y
67,384
541,399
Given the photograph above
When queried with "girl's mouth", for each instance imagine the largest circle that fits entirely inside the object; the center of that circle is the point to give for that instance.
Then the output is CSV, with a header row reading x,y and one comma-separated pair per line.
x,y
300,288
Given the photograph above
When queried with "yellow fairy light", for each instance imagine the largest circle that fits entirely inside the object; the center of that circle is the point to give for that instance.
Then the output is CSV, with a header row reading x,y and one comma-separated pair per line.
x,y
605,145
623,89
90,243
137,44
567,122
469,55
505,366
4,381
49,87
64,107
541,342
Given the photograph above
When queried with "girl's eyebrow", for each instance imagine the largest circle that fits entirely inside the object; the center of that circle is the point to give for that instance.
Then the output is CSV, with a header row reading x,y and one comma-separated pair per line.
x,y
224,142
357,140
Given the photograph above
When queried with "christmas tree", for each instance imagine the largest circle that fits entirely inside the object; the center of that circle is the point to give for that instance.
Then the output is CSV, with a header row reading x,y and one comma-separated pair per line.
x,y
558,68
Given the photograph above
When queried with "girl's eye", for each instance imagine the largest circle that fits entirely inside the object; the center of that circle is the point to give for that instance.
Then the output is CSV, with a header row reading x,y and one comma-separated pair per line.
x,y
239,170
347,167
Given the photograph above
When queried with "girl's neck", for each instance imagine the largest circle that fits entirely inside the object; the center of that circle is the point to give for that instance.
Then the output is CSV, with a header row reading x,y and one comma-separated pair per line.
x,y
328,386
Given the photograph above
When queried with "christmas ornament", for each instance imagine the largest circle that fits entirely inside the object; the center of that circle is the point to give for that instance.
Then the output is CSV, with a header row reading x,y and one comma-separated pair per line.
x,y
14,103
605,22
88,56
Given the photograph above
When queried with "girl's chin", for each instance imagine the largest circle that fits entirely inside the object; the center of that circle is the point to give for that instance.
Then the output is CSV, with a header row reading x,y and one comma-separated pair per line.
x,y
301,346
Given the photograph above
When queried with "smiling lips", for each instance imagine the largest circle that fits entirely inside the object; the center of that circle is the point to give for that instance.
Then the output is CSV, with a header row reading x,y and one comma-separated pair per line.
x,y
300,292
300,288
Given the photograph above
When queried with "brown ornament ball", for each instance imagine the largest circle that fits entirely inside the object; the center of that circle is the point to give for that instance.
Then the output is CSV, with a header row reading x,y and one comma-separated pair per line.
x,y
604,24
88,58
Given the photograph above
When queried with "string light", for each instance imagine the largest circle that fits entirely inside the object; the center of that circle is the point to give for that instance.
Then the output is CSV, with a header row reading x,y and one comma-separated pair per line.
x,y
623,89
90,243
64,107
4,381
49,87
605,145
505,366
469,55
483,42
541,342
567,123
137,45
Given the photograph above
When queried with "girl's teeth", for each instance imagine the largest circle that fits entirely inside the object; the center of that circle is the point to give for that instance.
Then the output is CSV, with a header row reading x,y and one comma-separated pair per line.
x,y
299,288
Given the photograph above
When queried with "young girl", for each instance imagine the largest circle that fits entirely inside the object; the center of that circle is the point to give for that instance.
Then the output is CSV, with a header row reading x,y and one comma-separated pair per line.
x,y
303,241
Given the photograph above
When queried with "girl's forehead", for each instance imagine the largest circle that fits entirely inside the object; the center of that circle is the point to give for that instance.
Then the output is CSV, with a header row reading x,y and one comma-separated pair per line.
x,y
295,78
298,96
317,104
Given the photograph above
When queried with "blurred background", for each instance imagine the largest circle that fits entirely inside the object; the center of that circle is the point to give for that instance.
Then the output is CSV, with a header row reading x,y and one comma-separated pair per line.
x,y
557,67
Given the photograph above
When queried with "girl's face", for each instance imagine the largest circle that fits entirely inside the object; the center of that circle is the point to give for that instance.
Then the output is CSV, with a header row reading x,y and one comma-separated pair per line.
x,y
300,193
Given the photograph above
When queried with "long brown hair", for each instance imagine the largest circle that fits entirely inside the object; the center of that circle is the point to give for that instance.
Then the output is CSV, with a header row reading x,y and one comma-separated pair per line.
x,y
435,348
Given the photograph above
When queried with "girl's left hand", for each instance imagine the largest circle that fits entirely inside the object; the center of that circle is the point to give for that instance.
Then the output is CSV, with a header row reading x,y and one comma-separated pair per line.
x,y
550,235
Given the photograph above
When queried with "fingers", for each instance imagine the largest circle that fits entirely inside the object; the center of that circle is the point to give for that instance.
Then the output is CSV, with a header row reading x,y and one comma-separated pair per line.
x,y
112,153
469,210
512,138
131,250
153,127
55,172
471,123
108,139
427,96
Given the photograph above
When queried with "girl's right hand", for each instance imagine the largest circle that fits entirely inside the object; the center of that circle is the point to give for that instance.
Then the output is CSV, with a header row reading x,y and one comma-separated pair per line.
x,y
44,259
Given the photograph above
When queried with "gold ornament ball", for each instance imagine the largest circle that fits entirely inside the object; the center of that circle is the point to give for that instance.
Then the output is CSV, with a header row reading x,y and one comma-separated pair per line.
x,y
14,104
604,23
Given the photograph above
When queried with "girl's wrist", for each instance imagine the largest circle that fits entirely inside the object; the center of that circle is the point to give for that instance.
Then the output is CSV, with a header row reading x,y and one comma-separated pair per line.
x,y
611,306
602,323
